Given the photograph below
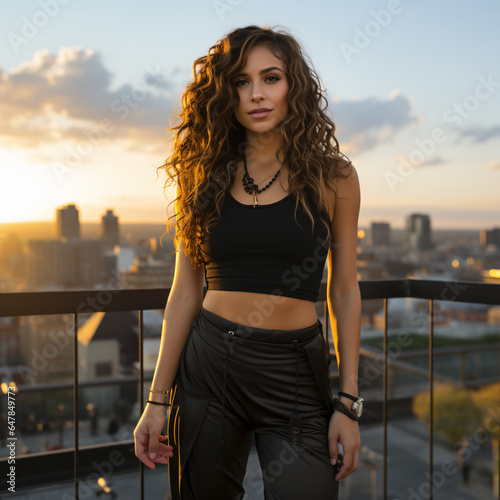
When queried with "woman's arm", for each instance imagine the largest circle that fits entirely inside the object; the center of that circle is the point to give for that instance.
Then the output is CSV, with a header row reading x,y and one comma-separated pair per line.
x,y
345,317
343,295
183,304
344,303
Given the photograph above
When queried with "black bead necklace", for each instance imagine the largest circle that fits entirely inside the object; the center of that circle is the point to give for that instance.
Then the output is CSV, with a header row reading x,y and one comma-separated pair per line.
x,y
249,184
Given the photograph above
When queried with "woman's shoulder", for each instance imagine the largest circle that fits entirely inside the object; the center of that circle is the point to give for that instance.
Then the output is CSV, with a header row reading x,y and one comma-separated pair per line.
x,y
341,163
345,181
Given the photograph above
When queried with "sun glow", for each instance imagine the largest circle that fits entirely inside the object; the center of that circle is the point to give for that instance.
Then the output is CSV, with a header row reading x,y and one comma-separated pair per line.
x,y
26,190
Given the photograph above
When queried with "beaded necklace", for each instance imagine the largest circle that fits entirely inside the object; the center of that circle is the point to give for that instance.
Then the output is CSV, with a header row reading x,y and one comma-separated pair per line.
x,y
249,184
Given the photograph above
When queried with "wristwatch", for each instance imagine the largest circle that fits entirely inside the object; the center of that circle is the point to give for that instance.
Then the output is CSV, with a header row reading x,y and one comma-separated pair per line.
x,y
357,406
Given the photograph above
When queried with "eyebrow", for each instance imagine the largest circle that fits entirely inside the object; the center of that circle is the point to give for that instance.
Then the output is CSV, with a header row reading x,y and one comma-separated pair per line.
x,y
262,71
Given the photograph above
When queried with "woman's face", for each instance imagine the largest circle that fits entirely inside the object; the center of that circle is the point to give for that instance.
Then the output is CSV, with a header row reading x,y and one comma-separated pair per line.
x,y
261,84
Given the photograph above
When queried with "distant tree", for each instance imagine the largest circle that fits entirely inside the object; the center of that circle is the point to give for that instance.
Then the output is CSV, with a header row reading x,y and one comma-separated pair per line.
x,y
459,412
487,400
455,413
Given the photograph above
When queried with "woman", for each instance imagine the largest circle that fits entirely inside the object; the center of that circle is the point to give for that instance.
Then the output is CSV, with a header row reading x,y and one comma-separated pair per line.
x,y
264,197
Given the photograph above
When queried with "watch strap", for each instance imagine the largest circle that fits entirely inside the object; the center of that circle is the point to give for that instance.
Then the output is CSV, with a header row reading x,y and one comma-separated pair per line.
x,y
354,398
343,409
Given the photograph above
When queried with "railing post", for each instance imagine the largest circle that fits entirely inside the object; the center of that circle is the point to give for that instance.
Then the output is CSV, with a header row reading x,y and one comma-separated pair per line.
x,y
431,398
384,402
141,390
76,420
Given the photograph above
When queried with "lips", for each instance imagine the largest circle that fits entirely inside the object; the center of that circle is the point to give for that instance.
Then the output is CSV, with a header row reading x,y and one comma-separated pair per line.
x,y
258,110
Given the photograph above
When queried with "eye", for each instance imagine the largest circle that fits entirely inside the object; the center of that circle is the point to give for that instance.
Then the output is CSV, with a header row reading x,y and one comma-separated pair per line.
x,y
237,83
276,79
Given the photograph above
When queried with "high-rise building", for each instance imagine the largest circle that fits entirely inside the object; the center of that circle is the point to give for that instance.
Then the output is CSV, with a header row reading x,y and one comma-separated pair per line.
x,y
418,232
68,223
490,237
380,234
110,230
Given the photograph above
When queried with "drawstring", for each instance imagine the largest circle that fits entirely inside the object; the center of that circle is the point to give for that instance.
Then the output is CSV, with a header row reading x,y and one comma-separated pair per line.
x,y
296,342
221,444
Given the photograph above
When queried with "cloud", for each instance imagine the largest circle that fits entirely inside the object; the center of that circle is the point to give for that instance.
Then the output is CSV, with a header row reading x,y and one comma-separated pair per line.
x,y
53,98
432,161
363,124
481,134
69,97
495,165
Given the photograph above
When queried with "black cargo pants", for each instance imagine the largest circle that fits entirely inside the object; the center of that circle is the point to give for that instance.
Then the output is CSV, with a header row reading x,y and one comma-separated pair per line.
x,y
235,380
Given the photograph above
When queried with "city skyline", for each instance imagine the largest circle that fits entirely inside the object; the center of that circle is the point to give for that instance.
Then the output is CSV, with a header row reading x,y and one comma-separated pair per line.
x,y
85,117
399,224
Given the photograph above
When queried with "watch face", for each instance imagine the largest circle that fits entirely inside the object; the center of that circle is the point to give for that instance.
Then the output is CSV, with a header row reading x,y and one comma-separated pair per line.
x,y
358,407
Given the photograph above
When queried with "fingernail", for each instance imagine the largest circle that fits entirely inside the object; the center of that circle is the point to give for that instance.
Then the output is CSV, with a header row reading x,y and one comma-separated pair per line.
x,y
152,455
334,461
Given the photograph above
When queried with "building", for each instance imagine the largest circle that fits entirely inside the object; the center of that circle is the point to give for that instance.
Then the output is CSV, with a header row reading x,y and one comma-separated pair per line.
x,y
110,230
380,234
418,232
68,223
490,237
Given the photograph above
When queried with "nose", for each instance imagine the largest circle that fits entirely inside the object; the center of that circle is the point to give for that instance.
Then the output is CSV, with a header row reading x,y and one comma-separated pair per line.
x,y
257,94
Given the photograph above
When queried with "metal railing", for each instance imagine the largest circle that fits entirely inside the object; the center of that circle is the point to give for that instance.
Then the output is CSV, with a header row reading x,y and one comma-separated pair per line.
x,y
54,465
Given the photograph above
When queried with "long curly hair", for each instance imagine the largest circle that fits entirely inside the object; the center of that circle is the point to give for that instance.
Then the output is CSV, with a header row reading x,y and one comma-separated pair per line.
x,y
209,140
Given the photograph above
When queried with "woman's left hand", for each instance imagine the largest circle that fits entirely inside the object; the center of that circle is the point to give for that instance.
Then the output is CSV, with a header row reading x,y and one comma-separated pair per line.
x,y
345,431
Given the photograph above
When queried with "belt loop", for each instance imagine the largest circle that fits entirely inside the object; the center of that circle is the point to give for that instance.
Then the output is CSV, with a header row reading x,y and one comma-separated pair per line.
x,y
221,444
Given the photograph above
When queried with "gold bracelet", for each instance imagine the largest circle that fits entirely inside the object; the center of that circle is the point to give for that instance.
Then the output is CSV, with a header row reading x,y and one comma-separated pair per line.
x,y
165,393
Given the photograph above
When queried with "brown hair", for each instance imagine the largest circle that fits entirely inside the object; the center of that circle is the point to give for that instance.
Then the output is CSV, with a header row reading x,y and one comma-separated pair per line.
x,y
208,140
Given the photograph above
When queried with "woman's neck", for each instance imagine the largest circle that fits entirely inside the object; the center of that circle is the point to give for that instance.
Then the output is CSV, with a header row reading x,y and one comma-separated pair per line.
x,y
261,150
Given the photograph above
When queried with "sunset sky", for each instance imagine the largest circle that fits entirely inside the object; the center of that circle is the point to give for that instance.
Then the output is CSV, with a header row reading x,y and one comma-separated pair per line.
x,y
87,90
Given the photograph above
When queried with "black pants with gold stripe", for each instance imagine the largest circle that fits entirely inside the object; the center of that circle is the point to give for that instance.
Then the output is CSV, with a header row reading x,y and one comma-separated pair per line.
x,y
235,381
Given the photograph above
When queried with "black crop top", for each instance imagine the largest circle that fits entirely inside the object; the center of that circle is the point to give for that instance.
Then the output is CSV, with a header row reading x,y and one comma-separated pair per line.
x,y
263,250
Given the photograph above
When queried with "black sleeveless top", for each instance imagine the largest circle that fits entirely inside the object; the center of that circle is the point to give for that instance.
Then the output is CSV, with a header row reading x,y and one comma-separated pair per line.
x,y
263,250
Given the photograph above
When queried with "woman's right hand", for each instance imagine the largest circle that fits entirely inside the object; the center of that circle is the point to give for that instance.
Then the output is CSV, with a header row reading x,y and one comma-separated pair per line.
x,y
147,437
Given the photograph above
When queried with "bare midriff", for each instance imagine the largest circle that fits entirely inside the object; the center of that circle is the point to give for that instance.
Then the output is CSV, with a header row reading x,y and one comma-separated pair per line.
x,y
261,310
